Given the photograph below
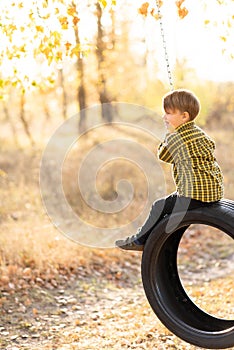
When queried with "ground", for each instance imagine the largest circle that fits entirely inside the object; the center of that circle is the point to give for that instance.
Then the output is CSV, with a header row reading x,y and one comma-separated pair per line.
x,y
84,312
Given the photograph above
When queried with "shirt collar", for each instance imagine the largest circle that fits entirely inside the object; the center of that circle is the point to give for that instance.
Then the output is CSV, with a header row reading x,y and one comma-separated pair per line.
x,y
185,126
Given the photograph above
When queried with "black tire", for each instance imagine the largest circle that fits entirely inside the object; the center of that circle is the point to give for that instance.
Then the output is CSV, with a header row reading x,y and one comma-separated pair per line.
x,y
163,287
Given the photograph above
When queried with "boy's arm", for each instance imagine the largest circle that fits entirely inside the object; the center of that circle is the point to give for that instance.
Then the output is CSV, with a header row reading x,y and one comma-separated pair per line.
x,y
169,147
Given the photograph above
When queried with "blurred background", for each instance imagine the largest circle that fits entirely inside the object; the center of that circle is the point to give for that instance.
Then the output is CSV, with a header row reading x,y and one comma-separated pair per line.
x,y
59,58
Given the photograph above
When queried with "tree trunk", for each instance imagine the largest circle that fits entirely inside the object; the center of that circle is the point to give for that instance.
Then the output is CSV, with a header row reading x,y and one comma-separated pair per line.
x,y
113,38
81,94
12,125
46,110
23,119
107,111
64,100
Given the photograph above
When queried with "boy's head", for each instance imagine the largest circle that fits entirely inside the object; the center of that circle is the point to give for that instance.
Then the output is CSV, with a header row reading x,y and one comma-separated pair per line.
x,y
183,101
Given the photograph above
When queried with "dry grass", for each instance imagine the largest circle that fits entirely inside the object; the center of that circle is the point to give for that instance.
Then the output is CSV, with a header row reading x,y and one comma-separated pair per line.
x,y
27,235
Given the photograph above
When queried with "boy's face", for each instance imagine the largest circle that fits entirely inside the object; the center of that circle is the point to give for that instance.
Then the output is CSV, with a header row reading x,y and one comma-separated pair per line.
x,y
175,118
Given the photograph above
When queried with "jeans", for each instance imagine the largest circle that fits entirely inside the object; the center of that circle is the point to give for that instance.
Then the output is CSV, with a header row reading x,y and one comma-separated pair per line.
x,y
163,207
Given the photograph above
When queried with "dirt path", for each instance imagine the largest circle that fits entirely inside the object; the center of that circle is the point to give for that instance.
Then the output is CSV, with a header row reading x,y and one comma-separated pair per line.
x,y
83,316
88,313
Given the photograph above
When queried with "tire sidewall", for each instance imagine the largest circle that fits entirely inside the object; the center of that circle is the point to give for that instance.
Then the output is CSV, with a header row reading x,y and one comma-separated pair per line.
x,y
152,248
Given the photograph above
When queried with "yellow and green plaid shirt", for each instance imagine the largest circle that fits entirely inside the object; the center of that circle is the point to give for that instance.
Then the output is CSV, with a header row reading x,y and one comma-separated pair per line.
x,y
196,173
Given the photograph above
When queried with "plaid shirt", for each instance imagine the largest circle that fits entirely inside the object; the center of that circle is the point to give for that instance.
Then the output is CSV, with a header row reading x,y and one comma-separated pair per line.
x,y
196,173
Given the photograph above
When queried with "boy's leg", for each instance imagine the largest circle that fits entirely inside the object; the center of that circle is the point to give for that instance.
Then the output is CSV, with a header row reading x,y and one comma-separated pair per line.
x,y
159,209
166,206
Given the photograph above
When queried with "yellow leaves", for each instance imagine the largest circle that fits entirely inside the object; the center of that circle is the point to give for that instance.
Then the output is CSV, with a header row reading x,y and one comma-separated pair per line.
x,y
2,83
71,11
182,11
50,59
31,16
75,51
15,51
103,3
53,40
47,51
9,29
56,36
64,22
143,10
49,45
68,46
223,38
46,16
40,29
59,56
12,27
79,50
179,3
75,20
155,14
45,4
22,48
223,24
229,23
159,3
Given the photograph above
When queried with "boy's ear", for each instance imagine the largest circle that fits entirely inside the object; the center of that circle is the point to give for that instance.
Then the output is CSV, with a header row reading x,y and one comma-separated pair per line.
x,y
186,116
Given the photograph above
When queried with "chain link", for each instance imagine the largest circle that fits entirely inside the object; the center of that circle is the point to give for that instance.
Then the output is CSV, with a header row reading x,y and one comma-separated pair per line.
x,y
169,74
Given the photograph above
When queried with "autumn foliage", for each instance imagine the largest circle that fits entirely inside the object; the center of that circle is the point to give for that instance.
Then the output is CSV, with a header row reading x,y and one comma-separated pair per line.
x,y
182,10
144,10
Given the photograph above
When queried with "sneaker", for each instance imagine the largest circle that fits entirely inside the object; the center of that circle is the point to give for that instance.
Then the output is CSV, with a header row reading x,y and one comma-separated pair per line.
x,y
130,243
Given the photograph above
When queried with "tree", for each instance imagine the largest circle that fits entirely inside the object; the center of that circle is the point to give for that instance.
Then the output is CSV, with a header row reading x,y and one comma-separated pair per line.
x,y
64,93
38,37
80,69
105,100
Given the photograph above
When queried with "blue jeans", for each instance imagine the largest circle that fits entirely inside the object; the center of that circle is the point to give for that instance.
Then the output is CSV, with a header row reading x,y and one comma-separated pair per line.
x,y
163,207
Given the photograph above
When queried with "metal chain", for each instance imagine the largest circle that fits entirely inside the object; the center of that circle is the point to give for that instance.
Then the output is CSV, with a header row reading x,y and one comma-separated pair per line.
x,y
164,46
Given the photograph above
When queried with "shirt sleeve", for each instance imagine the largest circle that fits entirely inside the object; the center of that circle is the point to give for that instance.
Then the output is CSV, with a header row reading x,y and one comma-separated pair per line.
x,y
169,147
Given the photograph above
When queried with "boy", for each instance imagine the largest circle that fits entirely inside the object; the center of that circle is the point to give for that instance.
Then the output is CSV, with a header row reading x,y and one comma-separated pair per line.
x,y
198,177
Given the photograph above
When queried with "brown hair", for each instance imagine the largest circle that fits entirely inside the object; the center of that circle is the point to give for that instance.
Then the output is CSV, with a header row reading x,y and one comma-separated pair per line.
x,y
182,100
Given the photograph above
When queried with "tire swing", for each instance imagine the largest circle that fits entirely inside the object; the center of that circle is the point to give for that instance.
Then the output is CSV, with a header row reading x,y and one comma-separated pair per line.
x,y
162,283
160,277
